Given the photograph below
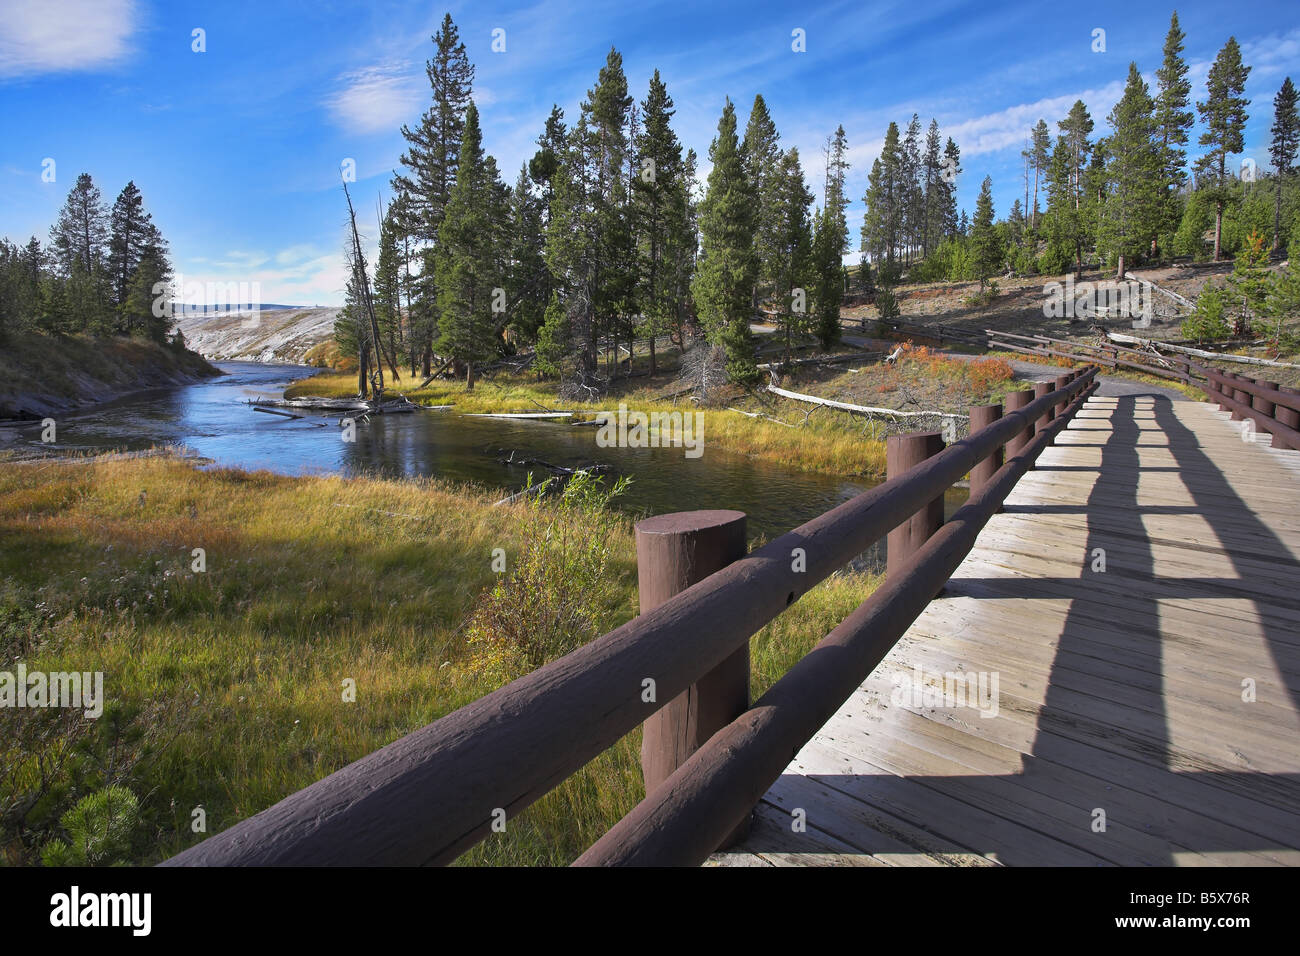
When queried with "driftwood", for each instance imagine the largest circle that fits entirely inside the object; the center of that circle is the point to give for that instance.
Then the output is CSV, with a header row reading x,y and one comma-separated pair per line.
x,y
861,409
826,360
1181,300
272,411
519,414
1199,353
758,415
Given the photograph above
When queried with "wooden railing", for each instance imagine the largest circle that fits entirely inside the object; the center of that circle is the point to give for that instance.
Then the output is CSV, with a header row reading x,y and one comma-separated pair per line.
x,y
431,795
1272,407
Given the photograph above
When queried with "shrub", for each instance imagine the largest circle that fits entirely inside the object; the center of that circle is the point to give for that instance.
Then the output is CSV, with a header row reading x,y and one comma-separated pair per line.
x,y
552,602
99,828
1208,322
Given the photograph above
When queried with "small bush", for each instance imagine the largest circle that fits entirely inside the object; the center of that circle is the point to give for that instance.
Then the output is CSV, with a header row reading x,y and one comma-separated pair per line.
x,y
99,828
555,599
1209,322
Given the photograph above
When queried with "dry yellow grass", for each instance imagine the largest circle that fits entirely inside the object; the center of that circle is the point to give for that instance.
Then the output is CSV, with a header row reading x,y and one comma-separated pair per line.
x,y
309,582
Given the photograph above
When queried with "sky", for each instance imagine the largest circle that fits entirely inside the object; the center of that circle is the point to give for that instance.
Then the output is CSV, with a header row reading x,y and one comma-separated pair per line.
x,y
237,148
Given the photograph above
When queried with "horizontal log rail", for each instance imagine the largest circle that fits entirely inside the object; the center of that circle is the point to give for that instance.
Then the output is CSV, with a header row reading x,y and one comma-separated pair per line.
x,y
688,815
432,794
1267,405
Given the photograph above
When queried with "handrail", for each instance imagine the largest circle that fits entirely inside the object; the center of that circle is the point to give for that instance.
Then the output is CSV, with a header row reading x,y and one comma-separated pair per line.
x,y
688,816
432,794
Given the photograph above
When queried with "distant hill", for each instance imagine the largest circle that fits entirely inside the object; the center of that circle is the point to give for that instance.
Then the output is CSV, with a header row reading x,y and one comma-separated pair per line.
x,y
276,335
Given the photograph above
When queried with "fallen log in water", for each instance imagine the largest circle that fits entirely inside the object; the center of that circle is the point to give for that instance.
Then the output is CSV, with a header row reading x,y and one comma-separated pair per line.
x,y
272,411
519,414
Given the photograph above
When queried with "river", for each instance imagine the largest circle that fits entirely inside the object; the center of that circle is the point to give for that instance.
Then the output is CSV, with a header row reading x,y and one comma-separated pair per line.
x,y
214,420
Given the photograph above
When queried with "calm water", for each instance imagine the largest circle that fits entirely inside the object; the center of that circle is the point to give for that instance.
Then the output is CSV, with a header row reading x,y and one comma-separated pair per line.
x,y
214,419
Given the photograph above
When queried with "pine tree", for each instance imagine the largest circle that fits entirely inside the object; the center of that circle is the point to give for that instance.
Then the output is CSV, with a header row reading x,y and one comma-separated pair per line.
x,y
793,235
468,265
909,188
658,211
433,147
724,277
81,231
151,275
430,161
79,238
829,243
388,284
131,230
932,182
761,156
1076,127
1133,210
951,170
986,245
1173,120
1282,150
1224,116
1041,144
883,219
588,240
529,284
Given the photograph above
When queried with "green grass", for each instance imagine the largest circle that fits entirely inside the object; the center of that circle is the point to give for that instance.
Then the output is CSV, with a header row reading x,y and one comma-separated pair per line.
x,y
235,675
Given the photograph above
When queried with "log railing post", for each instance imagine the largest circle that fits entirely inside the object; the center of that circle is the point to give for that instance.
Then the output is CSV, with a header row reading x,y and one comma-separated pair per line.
x,y
1233,394
1063,404
1013,402
1287,416
981,416
674,551
1262,405
1041,390
903,452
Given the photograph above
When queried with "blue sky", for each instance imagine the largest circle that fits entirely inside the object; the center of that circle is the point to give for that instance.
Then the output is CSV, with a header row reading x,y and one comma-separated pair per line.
x,y
237,149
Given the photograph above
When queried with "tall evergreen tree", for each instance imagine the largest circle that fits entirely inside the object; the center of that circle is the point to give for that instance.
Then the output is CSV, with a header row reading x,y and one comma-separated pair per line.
x,y
986,244
909,187
529,282
793,234
951,170
724,276
931,187
131,229
1224,116
761,154
1040,146
658,211
430,163
469,262
1135,190
1173,120
388,284
1283,147
81,231
433,147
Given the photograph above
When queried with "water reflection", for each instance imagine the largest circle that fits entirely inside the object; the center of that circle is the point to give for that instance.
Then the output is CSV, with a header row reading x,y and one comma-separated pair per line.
x,y
214,419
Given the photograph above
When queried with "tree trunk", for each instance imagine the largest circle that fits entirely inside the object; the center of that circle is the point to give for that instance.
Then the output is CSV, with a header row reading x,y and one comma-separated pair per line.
x,y
653,367
1119,274
1218,228
469,376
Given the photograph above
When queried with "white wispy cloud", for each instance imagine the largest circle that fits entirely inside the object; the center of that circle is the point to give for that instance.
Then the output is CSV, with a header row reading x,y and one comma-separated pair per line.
x,y
378,98
52,36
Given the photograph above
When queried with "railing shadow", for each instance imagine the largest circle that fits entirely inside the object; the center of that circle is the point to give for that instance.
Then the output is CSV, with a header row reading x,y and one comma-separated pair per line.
x,y
1136,723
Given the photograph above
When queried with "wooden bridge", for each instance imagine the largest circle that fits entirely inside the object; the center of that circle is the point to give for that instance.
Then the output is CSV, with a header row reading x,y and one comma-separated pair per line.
x,y
1146,568
1096,660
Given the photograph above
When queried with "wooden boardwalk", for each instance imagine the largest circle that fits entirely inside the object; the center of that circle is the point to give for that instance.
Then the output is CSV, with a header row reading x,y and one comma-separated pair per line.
x,y
1119,691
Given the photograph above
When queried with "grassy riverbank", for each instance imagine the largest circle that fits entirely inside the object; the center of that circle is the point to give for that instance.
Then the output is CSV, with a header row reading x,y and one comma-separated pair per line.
x,y
47,374
831,443
225,686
